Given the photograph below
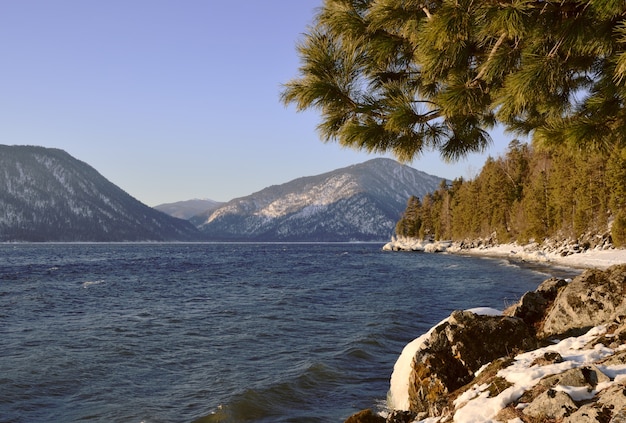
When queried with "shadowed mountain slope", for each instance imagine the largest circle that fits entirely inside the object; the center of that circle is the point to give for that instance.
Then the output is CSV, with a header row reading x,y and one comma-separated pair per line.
x,y
47,195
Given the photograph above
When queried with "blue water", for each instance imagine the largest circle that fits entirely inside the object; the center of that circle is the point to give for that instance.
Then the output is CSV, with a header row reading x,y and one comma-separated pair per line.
x,y
222,332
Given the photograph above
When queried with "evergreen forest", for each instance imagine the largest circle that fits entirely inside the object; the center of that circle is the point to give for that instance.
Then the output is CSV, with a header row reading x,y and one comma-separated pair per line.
x,y
410,76
528,194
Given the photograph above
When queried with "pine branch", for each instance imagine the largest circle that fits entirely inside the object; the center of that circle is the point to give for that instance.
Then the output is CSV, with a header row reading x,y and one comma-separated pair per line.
x,y
492,53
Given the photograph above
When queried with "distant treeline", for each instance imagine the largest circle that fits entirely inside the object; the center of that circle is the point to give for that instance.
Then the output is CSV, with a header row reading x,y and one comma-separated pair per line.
x,y
528,194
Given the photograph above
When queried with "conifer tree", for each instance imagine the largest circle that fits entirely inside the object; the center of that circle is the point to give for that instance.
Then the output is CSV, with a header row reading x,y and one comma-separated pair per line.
x,y
427,228
405,76
539,214
443,211
410,223
466,211
616,180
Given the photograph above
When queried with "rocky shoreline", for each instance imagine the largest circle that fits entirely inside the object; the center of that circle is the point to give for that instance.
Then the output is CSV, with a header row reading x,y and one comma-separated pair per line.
x,y
593,252
558,355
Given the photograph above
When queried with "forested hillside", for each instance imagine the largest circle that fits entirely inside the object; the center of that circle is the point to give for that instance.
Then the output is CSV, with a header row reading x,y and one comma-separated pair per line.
x,y
528,194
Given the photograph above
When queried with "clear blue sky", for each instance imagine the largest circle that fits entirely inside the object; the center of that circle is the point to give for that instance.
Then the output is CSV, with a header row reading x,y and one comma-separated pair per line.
x,y
170,99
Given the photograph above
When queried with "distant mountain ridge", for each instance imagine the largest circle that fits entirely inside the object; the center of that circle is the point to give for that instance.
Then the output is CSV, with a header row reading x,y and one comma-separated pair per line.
x,y
47,195
362,202
188,208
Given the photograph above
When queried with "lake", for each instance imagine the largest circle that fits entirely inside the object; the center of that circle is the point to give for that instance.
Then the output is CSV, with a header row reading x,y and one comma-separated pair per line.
x,y
222,332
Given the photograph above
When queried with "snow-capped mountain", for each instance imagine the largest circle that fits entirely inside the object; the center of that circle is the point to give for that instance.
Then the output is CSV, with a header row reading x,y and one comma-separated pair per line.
x,y
47,195
358,203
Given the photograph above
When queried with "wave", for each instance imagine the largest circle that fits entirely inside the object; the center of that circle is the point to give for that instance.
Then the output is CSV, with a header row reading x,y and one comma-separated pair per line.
x,y
91,283
297,400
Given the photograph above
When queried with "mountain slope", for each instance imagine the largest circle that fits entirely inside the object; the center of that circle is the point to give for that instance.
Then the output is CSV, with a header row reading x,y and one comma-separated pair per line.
x,y
47,195
357,203
189,208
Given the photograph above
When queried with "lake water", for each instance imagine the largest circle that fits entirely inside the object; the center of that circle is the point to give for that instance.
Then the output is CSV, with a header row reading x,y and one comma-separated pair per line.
x,y
222,332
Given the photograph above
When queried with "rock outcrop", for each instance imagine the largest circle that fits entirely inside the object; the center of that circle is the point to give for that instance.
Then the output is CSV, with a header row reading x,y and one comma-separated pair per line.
x,y
558,355
458,348
593,298
532,307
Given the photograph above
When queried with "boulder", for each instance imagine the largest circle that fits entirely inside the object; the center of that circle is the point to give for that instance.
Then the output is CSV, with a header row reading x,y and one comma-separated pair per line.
x,y
619,417
365,416
586,376
616,359
590,413
549,357
551,404
456,349
595,297
575,388
532,307
550,288
609,407
398,416
613,398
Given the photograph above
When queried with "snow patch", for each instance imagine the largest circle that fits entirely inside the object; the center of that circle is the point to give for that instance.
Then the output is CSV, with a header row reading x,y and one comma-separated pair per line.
x,y
523,375
398,396
596,258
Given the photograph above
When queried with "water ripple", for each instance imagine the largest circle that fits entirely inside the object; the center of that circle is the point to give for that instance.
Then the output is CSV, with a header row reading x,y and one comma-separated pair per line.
x,y
221,332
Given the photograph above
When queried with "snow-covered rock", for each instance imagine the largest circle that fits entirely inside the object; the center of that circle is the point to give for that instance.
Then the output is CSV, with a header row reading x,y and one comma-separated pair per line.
x,y
580,378
414,244
601,257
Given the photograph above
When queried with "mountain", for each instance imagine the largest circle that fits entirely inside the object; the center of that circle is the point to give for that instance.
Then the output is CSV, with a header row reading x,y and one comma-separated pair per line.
x,y
47,195
358,203
189,208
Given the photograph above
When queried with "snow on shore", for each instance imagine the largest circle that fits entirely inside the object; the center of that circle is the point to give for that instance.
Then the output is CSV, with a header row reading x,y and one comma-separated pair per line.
x,y
600,259
476,405
596,258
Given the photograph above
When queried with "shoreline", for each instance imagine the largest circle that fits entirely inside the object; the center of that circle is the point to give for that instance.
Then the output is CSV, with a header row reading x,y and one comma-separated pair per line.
x,y
577,327
598,258
549,269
